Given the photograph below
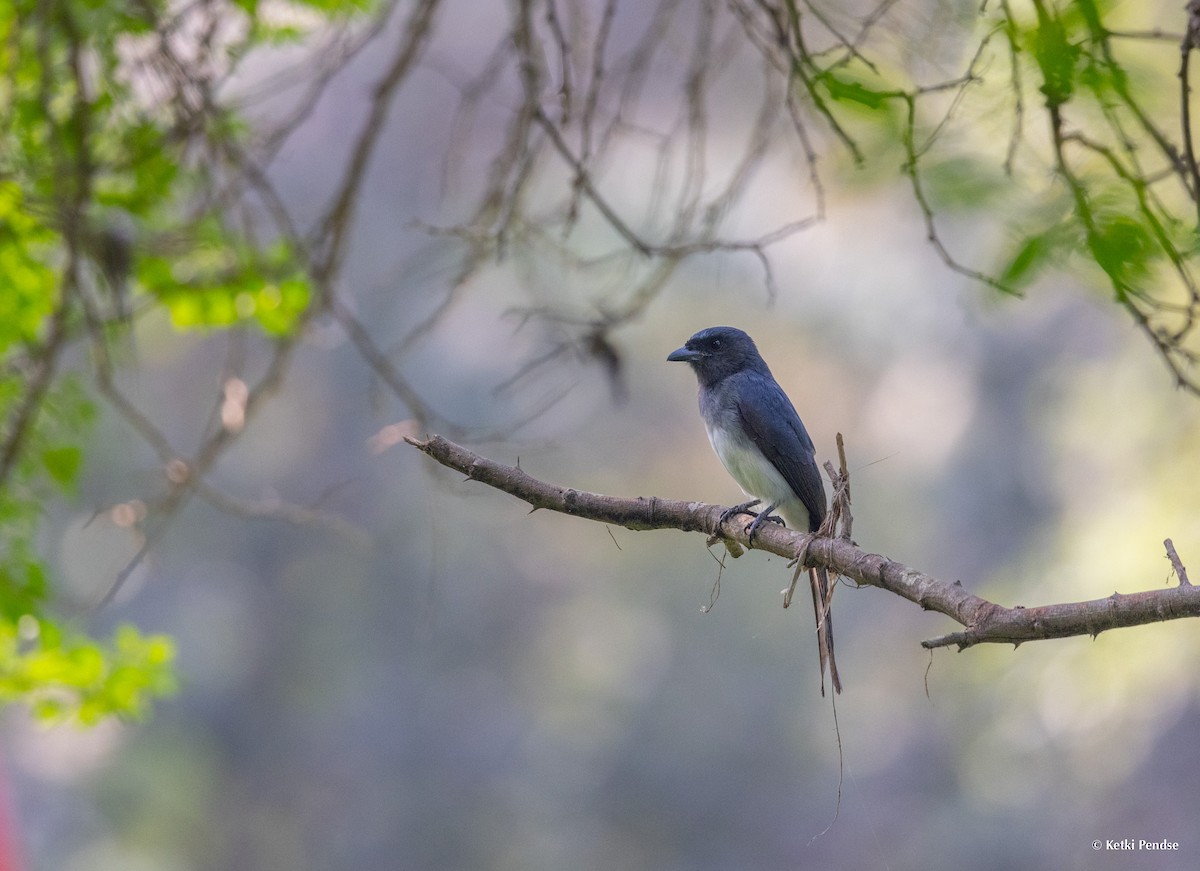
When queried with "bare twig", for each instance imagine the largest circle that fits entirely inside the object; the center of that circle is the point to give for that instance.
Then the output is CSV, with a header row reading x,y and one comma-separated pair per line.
x,y
583,182
332,232
377,359
185,476
1176,563
1190,41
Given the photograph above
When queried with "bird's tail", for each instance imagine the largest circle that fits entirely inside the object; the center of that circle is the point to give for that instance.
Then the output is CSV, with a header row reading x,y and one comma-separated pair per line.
x,y
822,594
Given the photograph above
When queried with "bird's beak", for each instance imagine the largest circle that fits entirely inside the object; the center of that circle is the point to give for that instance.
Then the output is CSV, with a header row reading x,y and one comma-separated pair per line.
x,y
684,355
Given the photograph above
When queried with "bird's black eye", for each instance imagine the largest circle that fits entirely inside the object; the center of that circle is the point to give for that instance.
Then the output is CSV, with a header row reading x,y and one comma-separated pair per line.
x,y
716,344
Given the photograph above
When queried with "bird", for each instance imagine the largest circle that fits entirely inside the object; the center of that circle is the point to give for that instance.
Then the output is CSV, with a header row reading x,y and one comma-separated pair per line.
x,y
758,436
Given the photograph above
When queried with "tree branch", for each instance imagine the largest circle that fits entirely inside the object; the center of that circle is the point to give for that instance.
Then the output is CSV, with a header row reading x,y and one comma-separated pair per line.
x,y
983,621
332,233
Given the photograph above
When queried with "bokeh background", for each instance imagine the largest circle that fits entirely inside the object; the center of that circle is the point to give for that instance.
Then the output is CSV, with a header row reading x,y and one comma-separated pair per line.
x,y
441,680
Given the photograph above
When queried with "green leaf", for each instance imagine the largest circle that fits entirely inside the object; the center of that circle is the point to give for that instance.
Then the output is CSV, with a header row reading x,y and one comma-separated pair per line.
x,y
1037,252
1026,262
1122,247
63,464
1056,58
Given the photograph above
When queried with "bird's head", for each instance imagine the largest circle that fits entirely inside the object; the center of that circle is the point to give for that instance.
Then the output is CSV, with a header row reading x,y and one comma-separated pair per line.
x,y
718,352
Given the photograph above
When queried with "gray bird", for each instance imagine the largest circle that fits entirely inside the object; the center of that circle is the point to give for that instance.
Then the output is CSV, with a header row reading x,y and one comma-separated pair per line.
x,y
762,443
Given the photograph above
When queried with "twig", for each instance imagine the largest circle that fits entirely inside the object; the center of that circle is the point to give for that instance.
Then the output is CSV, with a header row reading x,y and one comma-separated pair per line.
x,y
1176,563
332,233
584,183
185,476
1191,40
44,361
376,358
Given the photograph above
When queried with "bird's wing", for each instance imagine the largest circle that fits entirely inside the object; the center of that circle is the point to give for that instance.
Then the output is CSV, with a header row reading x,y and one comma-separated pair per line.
x,y
770,421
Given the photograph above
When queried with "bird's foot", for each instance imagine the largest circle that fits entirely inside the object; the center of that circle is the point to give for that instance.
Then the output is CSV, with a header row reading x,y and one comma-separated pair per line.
x,y
761,518
743,508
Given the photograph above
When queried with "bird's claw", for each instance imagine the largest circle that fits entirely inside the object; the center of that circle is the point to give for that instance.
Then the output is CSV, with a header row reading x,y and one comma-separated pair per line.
x,y
743,508
759,519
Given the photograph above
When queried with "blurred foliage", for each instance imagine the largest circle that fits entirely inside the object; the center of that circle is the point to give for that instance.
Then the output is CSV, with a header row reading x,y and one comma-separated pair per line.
x,y
60,673
1122,197
112,199
1063,125
222,282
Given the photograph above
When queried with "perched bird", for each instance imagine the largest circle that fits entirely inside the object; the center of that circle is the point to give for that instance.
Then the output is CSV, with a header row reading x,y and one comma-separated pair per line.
x,y
762,443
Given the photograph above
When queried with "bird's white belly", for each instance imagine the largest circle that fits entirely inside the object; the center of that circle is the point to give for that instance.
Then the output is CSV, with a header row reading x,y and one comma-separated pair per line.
x,y
752,471
757,477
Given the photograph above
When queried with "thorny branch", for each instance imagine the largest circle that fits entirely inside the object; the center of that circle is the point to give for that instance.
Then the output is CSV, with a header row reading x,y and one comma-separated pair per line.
x,y
983,621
